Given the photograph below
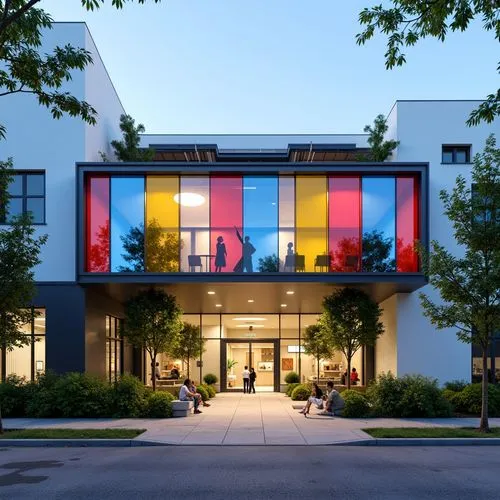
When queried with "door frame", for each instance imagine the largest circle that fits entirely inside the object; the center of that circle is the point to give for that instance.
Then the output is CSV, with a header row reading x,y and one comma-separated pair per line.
x,y
223,360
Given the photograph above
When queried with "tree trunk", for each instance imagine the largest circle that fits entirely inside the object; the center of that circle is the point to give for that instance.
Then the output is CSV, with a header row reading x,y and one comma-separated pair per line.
x,y
188,366
349,358
484,424
317,379
153,370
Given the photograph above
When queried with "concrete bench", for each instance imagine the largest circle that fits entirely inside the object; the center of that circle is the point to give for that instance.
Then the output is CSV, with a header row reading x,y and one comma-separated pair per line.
x,y
182,408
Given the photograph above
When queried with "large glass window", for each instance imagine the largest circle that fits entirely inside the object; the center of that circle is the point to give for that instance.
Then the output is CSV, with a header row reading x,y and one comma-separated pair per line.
x,y
114,348
287,224
407,225
379,224
26,195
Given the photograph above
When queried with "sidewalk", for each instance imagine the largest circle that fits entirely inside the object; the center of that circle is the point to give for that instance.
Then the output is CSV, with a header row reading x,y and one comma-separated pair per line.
x,y
249,419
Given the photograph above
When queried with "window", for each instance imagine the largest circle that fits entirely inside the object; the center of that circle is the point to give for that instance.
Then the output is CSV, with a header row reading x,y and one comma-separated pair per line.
x,y
114,348
27,194
456,154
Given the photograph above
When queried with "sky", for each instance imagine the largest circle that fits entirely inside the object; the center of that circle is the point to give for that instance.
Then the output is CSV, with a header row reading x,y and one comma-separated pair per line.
x,y
270,66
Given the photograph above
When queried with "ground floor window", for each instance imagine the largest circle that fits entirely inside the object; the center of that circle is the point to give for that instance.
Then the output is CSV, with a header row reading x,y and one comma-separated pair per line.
x,y
114,348
493,362
27,361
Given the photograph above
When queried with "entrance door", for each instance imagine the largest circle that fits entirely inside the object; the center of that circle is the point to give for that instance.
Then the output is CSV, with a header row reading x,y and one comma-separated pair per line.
x,y
262,355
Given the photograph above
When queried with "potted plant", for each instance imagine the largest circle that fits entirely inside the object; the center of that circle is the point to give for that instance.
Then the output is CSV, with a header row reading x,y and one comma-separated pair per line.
x,y
231,363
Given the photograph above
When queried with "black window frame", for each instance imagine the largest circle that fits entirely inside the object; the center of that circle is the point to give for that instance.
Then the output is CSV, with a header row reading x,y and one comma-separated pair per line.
x,y
4,219
454,149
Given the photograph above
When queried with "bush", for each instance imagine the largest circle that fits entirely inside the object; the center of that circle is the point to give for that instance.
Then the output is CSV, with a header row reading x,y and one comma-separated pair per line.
x,y
356,404
210,379
128,398
159,405
41,402
14,396
452,397
385,394
292,378
204,393
469,400
211,390
301,392
456,385
290,388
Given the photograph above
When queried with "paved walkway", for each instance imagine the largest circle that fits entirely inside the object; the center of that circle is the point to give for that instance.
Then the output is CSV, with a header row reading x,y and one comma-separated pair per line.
x,y
249,419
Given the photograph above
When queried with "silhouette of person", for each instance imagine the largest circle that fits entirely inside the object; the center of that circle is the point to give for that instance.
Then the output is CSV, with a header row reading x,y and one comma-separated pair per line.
x,y
290,249
245,263
220,254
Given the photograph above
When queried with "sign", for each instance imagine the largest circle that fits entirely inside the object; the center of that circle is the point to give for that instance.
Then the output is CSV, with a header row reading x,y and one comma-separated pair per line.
x,y
250,335
295,348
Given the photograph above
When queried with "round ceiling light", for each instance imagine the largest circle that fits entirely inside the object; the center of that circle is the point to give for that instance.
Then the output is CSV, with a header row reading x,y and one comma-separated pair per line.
x,y
189,199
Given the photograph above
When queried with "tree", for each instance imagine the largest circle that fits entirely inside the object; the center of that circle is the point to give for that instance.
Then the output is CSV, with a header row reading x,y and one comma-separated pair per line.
x,y
19,254
191,344
407,21
380,149
317,343
352,320
128,148
269,264
153,322
376,256
24,70
469,283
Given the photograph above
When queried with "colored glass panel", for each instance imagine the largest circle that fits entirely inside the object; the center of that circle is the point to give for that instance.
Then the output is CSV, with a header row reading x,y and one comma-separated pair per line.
x,y
260,224
379,224
286,235
311,217
344,223
127,224
406,224
226,218
162,230
195,223
97,221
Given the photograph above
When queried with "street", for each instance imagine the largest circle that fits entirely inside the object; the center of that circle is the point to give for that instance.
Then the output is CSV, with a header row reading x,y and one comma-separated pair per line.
x,y
253,472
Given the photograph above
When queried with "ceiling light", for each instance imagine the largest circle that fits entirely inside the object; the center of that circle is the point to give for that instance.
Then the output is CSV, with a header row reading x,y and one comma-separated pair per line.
x,y
246,326
283,305
218,305
249,319
211,293
290,292
249,187
250,300
189,199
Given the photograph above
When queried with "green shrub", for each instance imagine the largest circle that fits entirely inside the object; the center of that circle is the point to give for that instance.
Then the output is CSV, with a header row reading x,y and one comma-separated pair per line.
x,y
292,378
469,400
159,405
356,404
128,398
204,394
14,396
453,398
41,402
385,394
456,385
210,389
290,388
301,392
210,379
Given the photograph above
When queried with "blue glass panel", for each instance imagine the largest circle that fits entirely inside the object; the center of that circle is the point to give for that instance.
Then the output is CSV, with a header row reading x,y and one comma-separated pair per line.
x,y
127,224
260,224
379,224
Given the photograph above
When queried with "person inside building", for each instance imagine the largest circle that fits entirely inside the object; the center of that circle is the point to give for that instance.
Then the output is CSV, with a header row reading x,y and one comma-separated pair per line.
x,y
343,379
354,377
315,398
334,402
157,371
246,380
253,376
186,394
174,373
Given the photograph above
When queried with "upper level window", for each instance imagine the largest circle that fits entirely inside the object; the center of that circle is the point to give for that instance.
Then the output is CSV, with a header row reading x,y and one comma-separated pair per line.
x,y
456,154
27,194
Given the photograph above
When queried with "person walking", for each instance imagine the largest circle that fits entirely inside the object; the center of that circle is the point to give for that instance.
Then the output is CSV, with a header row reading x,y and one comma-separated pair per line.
x,y
253,376
246,380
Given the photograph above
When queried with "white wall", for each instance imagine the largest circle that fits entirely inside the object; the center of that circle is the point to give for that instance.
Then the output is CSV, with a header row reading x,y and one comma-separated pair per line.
x,y
386,348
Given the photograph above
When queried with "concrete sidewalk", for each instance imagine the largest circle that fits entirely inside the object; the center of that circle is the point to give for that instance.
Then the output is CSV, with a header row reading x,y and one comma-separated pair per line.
x,y
249,419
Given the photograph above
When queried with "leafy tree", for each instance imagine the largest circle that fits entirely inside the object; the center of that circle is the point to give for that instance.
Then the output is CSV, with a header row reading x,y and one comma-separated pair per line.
x,y
99,252
469,283
380,149
128,148
405,22
351,319
318,343
377,253
153,322
24,70
19,254
269,264
191,344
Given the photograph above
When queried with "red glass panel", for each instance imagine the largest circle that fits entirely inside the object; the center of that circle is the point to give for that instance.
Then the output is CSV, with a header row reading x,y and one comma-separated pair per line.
x,y
97,225
226,212
344,223
406,224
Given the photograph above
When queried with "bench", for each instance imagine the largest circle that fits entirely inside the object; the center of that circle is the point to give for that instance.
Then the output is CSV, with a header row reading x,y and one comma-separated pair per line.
x,y
182,408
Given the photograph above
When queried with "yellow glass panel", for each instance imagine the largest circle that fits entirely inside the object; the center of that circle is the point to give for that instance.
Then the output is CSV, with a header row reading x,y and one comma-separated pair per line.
x,y
163,244
311,222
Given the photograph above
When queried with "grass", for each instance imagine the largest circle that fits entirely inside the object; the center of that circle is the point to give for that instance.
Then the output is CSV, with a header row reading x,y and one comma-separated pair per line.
x,y
432,432
71,433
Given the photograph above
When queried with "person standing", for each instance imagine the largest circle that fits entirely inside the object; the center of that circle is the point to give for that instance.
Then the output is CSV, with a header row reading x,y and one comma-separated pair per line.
x,y
245,263
246,380
220,255
253,376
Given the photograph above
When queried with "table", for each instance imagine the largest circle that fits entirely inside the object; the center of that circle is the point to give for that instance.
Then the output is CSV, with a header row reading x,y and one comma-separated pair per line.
x,y
207,256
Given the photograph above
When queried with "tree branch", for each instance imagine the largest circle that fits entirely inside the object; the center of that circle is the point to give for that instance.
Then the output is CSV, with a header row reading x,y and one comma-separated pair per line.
x,y
6,22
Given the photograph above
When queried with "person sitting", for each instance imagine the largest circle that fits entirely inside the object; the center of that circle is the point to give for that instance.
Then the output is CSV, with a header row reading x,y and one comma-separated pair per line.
x,y
174,374
343,379
354,377
334,403
315,398
198,395
157,371
186,394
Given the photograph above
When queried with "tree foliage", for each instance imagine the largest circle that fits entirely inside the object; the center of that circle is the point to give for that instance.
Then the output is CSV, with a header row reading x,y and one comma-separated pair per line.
x,y
380,149
317,343
469,282
191,344
405,22
352,320
153,322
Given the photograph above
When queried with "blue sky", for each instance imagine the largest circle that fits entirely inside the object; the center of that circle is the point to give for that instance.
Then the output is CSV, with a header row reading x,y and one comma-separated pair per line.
x,y
270,66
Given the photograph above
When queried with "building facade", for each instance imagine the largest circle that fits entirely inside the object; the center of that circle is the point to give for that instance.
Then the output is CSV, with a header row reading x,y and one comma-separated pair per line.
x,y
249,232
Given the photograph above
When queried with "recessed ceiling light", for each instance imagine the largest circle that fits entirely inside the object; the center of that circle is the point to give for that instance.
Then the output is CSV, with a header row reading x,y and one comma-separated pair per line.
x,y
189,199
250,300
290,292
283,305
250,319
211,293
246,326
218,305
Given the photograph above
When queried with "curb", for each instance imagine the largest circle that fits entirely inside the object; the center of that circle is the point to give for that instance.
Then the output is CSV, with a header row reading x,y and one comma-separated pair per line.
x,y
77,443
423,442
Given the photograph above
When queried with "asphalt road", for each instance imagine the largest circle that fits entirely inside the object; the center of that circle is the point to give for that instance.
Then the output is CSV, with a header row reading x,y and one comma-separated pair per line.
x,y
250,473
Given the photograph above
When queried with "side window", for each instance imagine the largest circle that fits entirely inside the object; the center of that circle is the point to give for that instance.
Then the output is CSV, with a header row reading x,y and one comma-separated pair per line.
x,y
27,194
455,154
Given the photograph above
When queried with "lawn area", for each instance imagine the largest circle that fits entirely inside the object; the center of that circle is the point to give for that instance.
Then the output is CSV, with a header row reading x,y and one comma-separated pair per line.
x,y
431,432
71,433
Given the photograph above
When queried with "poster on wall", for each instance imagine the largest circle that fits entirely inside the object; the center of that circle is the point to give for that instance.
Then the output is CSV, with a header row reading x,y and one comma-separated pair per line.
x,y
286,364
265,366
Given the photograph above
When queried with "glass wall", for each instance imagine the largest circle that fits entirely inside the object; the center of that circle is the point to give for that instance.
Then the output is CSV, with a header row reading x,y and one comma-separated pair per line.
x,y
258,223
114,348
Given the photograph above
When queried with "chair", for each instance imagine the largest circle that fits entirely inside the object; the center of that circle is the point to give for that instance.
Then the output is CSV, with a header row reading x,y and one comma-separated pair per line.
x,y
300,263
351,263
194,261
322,261
294,263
